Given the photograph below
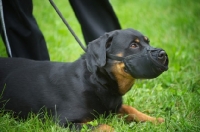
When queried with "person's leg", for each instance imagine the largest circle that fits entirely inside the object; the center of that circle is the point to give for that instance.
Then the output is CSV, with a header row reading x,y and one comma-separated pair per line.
x,y
95,17
25,38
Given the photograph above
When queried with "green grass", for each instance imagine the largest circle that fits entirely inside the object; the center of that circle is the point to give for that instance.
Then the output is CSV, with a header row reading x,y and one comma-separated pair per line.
x,y
175,95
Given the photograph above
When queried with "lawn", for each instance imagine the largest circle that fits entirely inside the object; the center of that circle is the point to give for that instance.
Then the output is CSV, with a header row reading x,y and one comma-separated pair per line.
x,y
173,25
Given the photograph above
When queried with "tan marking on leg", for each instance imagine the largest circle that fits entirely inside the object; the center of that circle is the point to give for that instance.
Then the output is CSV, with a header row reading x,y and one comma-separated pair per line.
x,y
135,115
100,128
125,81
104,128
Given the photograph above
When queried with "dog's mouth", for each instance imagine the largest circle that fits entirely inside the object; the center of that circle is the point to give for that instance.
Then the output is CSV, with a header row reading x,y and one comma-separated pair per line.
x,y
159,60
159,56
149,63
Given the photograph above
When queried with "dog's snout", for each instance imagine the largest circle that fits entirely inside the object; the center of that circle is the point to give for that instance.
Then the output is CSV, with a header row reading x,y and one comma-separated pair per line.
x,y
162,56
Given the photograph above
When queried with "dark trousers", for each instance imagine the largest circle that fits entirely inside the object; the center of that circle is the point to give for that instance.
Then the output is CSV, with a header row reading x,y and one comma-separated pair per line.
x,y
26,40
95,16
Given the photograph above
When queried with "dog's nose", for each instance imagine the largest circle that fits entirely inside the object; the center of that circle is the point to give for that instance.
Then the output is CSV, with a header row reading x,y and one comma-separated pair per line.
x,y
162,56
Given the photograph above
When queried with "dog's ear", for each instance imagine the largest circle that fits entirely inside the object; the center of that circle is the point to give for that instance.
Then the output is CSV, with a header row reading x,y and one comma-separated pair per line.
x,y
96,52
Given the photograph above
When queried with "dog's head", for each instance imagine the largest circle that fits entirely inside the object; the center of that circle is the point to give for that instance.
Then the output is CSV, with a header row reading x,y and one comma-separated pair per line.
x,y
126,53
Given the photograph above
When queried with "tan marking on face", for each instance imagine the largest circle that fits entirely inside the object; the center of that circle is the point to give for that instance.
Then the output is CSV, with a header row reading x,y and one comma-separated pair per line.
x,y
145,38
137,40
125,80
120,54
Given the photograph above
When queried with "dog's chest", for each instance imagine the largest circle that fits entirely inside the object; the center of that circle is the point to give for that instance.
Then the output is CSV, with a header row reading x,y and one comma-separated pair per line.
x,y
103,103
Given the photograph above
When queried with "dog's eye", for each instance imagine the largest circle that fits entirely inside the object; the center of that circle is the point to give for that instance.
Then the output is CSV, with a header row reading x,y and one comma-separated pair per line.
x,y
134,45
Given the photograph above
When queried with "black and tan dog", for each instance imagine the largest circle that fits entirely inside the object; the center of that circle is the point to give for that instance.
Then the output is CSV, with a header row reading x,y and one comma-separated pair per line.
x,y
92,85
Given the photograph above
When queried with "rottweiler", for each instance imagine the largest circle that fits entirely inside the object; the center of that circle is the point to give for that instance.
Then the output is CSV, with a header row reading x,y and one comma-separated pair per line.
x,y
79,91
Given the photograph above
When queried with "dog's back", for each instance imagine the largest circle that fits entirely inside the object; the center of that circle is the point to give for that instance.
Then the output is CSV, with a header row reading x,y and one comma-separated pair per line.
x,y
28,85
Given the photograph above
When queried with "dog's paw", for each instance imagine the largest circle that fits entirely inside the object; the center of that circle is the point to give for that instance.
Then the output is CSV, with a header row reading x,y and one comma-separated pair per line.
x,y
160,120
157,121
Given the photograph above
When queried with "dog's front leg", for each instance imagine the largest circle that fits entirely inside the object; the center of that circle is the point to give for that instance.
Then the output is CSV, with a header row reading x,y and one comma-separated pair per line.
x,y
135,115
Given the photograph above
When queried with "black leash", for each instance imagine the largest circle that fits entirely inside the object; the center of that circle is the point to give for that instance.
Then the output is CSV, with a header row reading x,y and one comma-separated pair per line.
x,y
4,30
66,23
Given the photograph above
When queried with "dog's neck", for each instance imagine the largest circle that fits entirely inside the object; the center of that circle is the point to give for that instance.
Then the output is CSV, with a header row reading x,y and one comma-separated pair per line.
x,y
125,81
113,78
107,82
117,81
